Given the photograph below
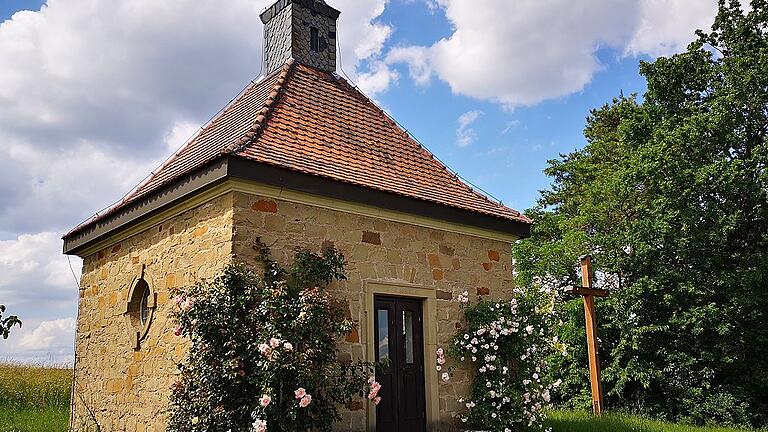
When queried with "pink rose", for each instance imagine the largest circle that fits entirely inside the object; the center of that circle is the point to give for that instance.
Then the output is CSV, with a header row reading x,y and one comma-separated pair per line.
x,y
264,349
179,299
376,400
177,330
188,304
265,401
288,346
371,380
440,352
274,342
300,393
306,400
375,387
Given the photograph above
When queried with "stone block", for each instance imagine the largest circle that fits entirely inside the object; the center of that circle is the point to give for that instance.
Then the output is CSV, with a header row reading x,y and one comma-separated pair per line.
x,y
265,206
493,255
371,237
352,337
445,250
434,261
199,231
437,274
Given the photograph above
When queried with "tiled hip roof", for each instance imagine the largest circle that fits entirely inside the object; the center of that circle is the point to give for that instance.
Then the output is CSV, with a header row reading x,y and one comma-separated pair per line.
x,y
316,123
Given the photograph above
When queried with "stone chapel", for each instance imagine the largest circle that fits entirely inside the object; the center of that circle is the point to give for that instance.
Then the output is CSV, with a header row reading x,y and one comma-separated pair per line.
x,y
299,158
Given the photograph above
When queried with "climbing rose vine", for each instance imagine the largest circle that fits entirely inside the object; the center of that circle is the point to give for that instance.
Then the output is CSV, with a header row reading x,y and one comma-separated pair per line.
x,y
263,354
507,343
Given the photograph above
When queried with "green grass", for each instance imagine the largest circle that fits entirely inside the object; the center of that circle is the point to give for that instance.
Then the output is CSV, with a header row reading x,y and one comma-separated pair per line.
x,y
34,399
569,421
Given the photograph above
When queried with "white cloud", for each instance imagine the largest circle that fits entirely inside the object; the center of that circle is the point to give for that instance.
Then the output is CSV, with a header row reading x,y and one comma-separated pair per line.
x,y
546,49
48,336
56,189
510,125
101,88
45,342
417,58
667,26
358,29
361,40
96,94
36,283
377,80
432,5
33,270
465,135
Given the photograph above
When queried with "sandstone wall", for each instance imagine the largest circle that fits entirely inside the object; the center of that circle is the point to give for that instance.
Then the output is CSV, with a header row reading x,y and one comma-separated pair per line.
x,y
381,250
127,390
123,388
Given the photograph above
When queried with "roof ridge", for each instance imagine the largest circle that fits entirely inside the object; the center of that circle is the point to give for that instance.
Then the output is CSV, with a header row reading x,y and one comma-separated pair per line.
x,y
260,121
419,144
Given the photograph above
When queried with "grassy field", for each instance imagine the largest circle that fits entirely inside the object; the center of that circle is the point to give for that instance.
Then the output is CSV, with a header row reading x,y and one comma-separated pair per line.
x,y
567,421
34,399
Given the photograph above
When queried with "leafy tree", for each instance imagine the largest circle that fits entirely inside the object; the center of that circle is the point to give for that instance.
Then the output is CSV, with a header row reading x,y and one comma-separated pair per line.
x,y
263,354
670,195
7,323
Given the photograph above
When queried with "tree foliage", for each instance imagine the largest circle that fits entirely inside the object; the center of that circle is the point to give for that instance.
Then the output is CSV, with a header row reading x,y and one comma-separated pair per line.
x,y
7,323
263,352
670,197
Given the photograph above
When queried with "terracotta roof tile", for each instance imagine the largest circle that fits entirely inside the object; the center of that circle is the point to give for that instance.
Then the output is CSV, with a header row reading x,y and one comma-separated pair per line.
x,y
314,122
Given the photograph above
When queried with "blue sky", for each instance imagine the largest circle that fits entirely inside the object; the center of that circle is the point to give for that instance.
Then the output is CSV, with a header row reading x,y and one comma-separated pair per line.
x,y
9,7
94,95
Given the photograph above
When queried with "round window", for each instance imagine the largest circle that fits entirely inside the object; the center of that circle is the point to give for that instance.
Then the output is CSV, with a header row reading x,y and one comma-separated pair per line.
x,y
139,310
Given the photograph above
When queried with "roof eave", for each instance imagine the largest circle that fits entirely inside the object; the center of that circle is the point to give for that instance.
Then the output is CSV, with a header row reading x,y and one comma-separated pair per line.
x,y
312,184
80,238
236,167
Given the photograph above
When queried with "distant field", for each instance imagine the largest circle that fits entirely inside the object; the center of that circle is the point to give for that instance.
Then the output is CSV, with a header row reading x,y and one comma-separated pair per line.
x,y
34,399
568,421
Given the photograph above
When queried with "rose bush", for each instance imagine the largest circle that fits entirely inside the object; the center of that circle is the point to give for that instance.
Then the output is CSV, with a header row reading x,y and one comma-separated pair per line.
x,y
263,354
508,344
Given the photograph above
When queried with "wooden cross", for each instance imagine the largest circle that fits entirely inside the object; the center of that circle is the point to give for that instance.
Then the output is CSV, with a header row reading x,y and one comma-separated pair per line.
x,y
588,293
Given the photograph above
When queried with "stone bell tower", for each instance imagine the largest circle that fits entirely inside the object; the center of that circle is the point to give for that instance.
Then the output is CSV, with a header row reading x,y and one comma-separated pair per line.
x,y
304,30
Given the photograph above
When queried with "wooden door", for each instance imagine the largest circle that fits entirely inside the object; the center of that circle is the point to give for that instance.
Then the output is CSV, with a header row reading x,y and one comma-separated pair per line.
x,y
399,337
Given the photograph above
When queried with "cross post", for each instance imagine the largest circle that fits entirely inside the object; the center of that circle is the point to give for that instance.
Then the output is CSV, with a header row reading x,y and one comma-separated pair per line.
x,y
588,292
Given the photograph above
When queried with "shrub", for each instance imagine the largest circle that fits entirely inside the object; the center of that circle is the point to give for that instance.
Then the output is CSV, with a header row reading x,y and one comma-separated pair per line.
x,y
508,343
263,352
